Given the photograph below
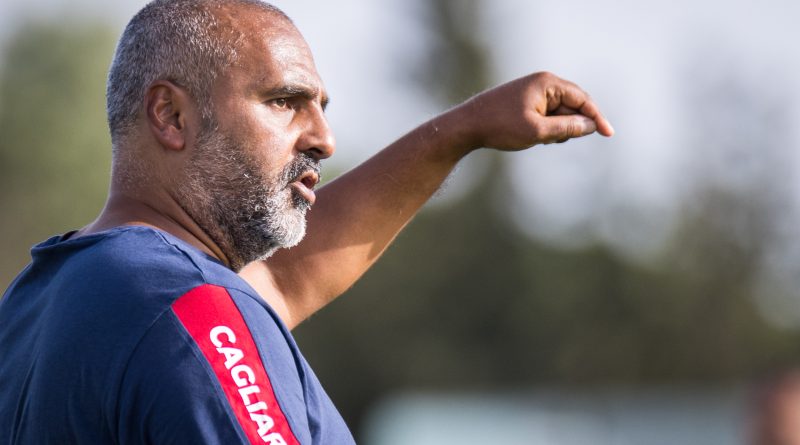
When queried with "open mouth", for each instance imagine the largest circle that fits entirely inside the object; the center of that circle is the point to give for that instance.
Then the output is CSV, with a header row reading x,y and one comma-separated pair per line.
x,y
304,185
309,179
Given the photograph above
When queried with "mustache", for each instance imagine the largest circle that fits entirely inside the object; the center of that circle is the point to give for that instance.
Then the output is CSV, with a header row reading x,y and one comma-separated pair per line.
x,y
303,163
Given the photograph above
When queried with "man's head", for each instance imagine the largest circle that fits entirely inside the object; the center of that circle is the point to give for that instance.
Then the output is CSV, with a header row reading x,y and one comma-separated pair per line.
x,y
218,104
179,40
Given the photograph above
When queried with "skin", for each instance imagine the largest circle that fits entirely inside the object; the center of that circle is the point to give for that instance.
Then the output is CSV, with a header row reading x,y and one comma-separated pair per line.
x,y
274,100
776,415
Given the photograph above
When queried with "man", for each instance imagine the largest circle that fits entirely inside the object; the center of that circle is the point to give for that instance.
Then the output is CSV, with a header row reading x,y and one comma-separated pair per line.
x,y
136,328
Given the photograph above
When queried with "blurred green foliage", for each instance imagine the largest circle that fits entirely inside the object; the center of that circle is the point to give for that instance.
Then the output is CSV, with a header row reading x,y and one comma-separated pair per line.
x,y
54,146
463,300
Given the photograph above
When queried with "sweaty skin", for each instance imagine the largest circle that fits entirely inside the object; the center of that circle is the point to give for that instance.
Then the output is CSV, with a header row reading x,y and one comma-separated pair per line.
x,y
273,101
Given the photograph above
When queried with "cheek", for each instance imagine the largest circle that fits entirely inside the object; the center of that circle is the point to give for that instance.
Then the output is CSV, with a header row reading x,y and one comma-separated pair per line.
x,y
271,166
269,118
269,144
269,134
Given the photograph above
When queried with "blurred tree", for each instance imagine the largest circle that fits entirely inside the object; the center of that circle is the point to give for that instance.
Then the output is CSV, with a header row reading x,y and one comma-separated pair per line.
x,y
456,64
434,321
54,149
463,301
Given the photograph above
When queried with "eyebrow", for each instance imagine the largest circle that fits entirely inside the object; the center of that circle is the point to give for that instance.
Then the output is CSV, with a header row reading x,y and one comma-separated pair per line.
x,y
295,90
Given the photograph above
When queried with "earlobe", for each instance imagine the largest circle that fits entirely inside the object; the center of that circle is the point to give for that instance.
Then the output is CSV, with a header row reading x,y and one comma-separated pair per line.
x,y
165,105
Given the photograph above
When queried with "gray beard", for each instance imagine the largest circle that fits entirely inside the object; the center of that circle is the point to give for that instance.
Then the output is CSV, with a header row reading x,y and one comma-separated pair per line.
x,y
246,214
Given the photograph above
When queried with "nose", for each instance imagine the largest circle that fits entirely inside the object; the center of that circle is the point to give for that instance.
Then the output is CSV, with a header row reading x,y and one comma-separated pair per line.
x,y
318,138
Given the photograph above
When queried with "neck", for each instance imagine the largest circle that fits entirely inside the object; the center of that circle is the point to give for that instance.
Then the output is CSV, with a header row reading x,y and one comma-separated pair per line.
x,y
159,211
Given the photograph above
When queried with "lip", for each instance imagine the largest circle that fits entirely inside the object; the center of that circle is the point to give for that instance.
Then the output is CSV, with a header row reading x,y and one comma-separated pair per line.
x,y
304,185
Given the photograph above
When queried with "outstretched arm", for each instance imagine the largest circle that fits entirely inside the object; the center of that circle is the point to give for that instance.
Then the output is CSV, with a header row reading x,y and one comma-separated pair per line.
x,y
357,215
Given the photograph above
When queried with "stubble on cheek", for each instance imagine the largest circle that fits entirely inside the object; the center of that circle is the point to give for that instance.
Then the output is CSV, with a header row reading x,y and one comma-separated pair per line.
x,y
247,214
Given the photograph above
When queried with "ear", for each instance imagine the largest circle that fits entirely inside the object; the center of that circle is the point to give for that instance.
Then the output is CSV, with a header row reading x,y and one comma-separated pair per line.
x,y
168,109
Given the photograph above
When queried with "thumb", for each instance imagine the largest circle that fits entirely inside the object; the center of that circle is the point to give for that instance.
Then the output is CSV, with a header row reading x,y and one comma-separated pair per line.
x,y
561,128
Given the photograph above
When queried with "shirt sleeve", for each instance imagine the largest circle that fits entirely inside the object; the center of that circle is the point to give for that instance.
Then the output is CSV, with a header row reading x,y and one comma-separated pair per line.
x,y
197,377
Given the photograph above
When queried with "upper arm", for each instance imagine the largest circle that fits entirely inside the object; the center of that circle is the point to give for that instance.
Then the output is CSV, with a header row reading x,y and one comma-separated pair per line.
x,y
260,277
197,377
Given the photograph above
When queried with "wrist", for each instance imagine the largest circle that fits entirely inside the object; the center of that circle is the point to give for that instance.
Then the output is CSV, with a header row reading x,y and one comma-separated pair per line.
x,y
454,133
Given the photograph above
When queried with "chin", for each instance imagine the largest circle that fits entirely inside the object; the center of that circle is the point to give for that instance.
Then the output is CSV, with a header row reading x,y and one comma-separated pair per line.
x,y
287,233
261,235
295,230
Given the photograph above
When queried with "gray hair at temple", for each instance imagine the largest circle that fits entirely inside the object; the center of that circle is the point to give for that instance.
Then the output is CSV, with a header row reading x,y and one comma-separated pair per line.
x,y
182,41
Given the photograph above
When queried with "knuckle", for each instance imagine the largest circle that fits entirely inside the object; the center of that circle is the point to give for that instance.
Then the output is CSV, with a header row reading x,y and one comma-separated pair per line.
x,y
570,128
542,77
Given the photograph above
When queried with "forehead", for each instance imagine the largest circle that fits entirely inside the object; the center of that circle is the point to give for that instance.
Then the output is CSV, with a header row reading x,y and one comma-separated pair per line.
x,y
270,52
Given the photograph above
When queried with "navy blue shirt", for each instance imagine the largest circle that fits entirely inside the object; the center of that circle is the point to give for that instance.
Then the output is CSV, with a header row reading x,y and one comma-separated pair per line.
x,y
132,336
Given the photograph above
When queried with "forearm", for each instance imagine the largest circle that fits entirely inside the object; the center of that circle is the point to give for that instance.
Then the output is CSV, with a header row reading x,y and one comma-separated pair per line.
x,y
359,214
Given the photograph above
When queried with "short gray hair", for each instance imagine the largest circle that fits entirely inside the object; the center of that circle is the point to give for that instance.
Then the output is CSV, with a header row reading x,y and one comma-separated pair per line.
x,y
177,40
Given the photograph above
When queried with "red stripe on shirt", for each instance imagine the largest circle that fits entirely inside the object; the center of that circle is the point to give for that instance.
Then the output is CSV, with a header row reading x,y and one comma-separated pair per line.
x,y
212,319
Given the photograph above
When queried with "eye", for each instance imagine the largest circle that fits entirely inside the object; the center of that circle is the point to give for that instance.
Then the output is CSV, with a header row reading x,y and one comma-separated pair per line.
x,y
281,102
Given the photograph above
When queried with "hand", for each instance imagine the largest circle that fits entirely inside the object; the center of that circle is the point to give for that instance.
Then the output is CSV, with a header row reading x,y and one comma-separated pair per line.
x,y
537,109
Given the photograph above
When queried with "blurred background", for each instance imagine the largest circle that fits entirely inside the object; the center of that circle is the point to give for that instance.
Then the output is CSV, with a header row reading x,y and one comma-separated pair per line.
x,y
630,290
